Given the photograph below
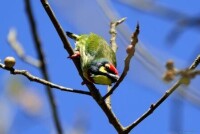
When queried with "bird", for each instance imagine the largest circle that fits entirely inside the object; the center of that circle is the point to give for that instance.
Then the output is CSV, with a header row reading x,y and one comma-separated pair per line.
x,y
97,59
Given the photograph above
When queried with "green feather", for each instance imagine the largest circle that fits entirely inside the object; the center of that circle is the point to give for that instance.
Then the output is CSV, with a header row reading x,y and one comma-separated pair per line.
x,y
93,48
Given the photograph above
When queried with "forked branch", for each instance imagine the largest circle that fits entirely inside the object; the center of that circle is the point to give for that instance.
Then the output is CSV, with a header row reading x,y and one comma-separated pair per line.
x,y
93,90
43,67
113,33
162,99
114,47
130,51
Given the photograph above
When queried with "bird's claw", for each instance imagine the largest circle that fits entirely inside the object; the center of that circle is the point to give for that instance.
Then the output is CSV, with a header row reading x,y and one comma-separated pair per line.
x,y
75,55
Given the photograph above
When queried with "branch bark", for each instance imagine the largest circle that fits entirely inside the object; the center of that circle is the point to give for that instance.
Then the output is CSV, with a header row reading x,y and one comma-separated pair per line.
x,y
42,81
43,67
113,33
93,90
126,62
161,100
114,47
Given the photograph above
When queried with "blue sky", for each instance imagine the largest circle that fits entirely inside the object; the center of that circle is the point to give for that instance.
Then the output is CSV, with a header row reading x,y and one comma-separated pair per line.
x,y
142,86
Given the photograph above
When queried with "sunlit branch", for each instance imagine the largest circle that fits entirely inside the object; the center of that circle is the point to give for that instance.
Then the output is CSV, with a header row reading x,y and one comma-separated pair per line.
x,y
130,52
42,81
43,67
162,99
113,33
94,91
114,47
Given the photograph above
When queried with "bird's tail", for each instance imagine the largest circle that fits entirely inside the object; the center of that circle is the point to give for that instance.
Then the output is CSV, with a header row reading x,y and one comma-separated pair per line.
x,y
72,35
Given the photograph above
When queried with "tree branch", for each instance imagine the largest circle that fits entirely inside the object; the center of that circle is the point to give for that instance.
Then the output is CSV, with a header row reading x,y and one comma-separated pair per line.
x,y
94,91
161,100
113,33
114,47
42,81
130,51
43,67
108,99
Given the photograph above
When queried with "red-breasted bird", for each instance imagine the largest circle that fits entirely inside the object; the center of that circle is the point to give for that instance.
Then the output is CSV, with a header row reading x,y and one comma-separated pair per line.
x,y
97,59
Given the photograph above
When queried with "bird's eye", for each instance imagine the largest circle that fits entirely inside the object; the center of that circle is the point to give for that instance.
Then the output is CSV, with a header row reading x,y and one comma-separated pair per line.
x,y
107,66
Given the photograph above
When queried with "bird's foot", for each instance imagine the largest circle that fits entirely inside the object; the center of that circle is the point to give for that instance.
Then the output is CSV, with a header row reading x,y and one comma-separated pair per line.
x,y
75,55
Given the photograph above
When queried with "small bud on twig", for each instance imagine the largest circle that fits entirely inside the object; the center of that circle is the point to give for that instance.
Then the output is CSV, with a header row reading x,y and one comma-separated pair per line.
x,y
130,49
170,72
168,76
169,65
9,62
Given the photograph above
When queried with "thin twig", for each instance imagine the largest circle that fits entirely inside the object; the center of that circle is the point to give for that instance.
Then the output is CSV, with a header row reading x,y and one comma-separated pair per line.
x,y
147,59
189,73
17,47
43,67
113,33
94,91
61,33
161,100
108,99
114,47
42,81
195,63
58,27
126,62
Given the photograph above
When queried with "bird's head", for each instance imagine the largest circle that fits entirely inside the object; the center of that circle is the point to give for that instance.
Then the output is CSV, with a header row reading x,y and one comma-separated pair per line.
x,y
103,72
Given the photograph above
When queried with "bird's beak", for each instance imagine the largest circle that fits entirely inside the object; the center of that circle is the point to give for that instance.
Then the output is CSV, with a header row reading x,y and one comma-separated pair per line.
x,y
114,77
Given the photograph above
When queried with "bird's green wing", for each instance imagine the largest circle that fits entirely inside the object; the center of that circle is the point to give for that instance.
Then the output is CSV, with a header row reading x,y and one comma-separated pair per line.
x,y
98,48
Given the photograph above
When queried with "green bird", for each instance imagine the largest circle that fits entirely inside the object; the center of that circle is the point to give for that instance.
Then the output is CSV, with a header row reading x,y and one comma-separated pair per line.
x,y
97,59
